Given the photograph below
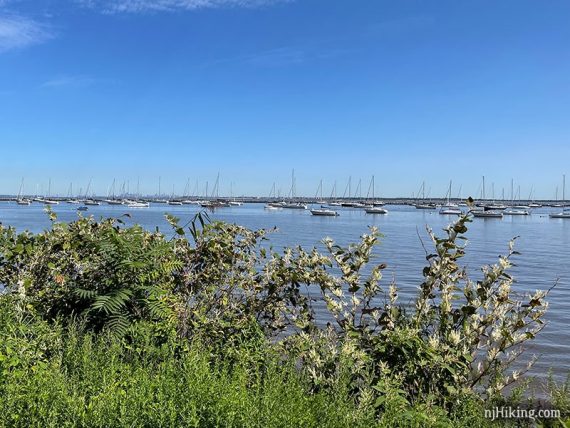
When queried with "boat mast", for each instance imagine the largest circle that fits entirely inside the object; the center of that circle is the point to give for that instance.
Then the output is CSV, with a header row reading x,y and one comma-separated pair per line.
x,y
196,190
111,194
370,187
531,192
87,191
512,193
292,191
347,188
319,190
186,188
564,190
333,192
20,192
358,191
215,190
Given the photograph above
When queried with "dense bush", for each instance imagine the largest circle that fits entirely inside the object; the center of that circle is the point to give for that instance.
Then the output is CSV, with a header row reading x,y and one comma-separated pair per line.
x,y
210,327
55,375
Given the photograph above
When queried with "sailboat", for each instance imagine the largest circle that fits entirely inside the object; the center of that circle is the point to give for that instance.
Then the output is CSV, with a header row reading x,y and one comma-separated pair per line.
x,y
21,200
194,201
232,201
292,204
334,202
565,213
493,206
450,208
348,203
273,205
215,201
557,204
519,205
370,198
358,195
87,200
47,199
70,199
159,197
137,204
173,200
326,212
111,198
375,208
487,214
515,210
533,204
424,205
319,191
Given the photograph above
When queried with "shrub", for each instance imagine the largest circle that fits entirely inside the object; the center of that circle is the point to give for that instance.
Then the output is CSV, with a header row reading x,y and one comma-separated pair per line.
x,y
153,301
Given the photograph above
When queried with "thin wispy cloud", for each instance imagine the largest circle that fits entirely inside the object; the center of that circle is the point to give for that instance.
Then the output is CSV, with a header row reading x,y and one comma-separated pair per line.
x,y
278,57
17,32
287,55
63,81
140,6
69,81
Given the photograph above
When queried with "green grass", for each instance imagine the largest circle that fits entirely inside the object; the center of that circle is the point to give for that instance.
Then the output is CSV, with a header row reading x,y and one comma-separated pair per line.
x,y
53,376
74,379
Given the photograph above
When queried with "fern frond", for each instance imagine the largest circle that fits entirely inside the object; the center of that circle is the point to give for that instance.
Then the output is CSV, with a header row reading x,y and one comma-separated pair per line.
x,y
85,294
113,302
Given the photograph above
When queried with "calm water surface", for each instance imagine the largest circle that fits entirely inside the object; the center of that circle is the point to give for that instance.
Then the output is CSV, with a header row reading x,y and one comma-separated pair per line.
x,y
543,242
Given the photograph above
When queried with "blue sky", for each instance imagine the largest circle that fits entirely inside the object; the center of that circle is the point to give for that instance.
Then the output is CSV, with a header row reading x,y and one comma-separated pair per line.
x,y
405,90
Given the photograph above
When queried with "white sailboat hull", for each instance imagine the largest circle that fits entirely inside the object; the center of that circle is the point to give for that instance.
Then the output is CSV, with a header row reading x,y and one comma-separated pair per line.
x,y
487,214
324,213
515,212
377,210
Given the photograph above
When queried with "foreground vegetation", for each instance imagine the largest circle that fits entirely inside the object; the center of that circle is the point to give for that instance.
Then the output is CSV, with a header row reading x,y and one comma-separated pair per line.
x,y
106,325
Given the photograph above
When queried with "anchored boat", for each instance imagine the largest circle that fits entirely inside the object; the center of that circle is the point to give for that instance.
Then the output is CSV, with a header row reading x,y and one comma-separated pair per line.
x,y
324,212
513,209
565,213
376,210
487,214
137,204
424,205
450,208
